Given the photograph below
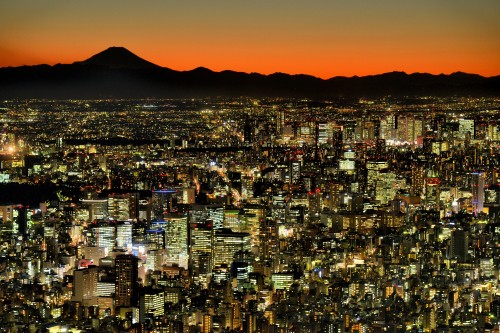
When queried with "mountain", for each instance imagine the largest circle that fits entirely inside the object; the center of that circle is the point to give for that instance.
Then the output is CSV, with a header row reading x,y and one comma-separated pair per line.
x,y
117,57
119,73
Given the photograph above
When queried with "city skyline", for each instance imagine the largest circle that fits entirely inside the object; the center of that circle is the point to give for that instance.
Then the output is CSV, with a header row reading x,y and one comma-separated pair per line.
x,y
251,167
323,39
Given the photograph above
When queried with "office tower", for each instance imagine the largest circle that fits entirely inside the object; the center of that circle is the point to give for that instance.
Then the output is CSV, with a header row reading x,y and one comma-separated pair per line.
x,y
7,213
227,243
161,203
493,132
431,189
242,266
349,128
348,163
325,133
417,179
253,216
281,280
200,246
123,207
315,204
144,213
492,194
105,236
85,284
207,323
155,239
188,196
387,186
124,235
232,220
460,245
98,208
466,128
176,240
246,187
294,171
151,303
280,121
373,170
22,220
495,308
248,131
200,214
368,130
387,127
477,192
126,280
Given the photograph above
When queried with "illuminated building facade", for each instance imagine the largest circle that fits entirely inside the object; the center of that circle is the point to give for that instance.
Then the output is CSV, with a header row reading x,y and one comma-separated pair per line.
x,y
126,281
477,192
151,303
227,243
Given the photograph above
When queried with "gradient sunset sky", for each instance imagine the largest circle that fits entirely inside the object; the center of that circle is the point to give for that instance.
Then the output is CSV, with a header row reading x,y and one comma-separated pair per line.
x,y
324,38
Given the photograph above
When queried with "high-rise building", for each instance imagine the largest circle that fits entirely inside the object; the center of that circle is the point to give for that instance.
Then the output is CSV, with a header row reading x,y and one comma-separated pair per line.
x,y
22,220
315,204
232,220
98,208
200,247
280,121
124,235
477,192
431,189
387,185
246,187
200,214
373,169
151,303
207,323
126,280
85,284
161,203
466,128
105,236
459,245
123,207
155,238
176,239
227,243
325,133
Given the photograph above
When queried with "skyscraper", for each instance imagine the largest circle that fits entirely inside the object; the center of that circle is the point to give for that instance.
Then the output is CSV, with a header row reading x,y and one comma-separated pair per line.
x,y
22,220
466,128
227,243
161,203
105,236
200,245
460,245
124,235
477,192
85,284
122,207
176,239
151,303
126,288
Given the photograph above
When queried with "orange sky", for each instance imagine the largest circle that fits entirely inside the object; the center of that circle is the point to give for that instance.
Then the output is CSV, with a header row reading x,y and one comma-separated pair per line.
x,y
323,38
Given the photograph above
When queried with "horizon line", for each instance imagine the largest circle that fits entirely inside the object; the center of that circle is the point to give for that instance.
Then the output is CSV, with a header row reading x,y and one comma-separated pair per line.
x,y
52,64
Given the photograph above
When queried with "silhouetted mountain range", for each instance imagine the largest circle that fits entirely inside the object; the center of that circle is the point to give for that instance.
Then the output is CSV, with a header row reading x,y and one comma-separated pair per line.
x,y
118,73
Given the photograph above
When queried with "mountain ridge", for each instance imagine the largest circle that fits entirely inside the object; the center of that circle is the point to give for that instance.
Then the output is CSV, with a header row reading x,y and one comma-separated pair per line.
x,y
117,57
118,73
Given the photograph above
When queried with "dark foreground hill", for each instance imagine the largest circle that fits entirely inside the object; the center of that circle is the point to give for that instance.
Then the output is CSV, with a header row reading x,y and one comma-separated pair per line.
x,y
118,73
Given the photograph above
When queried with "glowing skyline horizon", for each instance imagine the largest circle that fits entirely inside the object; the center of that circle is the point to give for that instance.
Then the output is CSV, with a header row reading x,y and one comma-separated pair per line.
x,y
320,38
